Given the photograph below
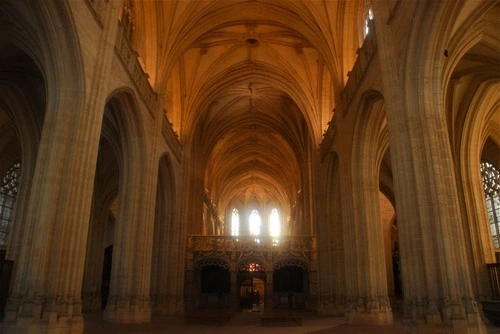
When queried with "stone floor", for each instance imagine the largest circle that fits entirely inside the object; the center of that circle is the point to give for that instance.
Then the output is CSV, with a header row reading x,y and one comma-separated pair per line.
x,y
247,322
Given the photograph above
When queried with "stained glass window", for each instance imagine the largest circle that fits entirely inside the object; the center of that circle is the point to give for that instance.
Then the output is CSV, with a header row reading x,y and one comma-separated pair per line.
x,y
368,17
491,185
8,194
235,223
274,223
254,223
251,267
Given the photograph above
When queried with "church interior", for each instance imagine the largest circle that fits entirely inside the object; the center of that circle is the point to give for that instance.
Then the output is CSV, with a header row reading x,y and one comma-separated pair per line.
x,y
185,158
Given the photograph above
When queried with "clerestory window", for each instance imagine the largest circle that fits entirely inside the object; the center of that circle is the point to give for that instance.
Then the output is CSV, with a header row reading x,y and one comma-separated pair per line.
x,y
235,223
368,18
491,185
254,223
274,223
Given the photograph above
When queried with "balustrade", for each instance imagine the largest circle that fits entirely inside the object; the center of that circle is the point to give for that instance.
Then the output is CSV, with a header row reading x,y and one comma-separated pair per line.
x,y
129,58
262,246
171,138
365,54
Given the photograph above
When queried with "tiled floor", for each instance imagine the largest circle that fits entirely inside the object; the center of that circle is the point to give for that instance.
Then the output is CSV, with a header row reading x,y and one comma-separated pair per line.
x,y
243,323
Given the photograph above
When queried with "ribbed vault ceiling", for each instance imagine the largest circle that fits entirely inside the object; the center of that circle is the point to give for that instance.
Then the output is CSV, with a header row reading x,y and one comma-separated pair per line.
x,y
249,86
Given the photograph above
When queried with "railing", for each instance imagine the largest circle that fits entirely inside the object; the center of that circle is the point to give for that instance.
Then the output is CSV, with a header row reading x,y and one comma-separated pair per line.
x,y
328,137
171,138
292,245
494,271
365,54
140,78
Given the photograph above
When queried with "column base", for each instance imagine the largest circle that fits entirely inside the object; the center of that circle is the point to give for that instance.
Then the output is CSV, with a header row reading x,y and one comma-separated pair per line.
x,y
330,311
91,303
378,317
127,312
330,306
461,326
43,315
171,307
426,317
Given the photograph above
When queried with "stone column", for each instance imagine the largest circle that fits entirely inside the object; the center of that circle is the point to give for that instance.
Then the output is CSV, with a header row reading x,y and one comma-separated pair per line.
x,y
269,290
234,289
91,291
436,278
129,298
366,282
190,297
313,279
46,294
331,277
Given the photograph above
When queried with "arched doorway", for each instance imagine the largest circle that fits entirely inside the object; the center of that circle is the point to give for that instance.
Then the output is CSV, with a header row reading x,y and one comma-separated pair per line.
x,y
291,285
212,284
251,286
22,113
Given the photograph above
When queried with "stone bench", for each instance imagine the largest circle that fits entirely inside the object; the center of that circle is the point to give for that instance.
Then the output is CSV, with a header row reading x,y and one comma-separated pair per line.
x,y
280,318
208,316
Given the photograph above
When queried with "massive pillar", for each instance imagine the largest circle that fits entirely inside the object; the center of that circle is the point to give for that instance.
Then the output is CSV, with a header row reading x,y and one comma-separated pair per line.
x,y
234,288
91,290
366,281
129,296
46,292
268,302
331,278
436,277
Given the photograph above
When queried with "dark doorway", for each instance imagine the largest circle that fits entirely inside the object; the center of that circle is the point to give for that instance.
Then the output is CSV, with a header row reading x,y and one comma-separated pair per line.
x,y
290,286
215,279
252,290
106,275
288,279
6,268
252,293
215,286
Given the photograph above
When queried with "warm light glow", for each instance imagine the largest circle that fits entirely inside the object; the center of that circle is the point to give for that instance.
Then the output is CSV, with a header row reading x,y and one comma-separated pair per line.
x,y
274,224
235,223
369,18
254,223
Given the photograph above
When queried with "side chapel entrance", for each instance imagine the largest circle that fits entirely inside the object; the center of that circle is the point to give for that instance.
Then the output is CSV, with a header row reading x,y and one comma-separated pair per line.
x,y
252,287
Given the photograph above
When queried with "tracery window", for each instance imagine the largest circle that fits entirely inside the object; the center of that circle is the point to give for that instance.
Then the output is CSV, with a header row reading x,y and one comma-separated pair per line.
x,y
491,185
368,17
254,223
274,223
235,223
8,195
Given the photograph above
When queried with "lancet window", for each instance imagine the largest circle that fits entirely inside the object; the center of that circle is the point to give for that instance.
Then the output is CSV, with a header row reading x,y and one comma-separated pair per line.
x,y
235,223
8,195
254,223
274,223
491,185
368,17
